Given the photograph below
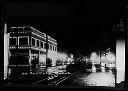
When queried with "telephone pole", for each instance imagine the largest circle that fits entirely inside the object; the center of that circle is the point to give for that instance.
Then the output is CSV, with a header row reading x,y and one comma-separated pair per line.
x,y
46,50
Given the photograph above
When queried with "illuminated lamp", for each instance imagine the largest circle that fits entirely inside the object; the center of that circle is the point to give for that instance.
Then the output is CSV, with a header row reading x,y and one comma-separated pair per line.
x,y
111,57
94,57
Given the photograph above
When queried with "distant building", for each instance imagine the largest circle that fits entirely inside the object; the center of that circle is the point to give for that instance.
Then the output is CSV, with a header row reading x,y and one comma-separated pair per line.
x,y
94,58
28,48
62,58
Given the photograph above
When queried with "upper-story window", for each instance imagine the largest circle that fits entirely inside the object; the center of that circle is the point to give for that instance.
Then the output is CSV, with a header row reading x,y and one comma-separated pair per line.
x,y
23,40
42,44
45,45
55,48
38,43
33,42
13,41
50,47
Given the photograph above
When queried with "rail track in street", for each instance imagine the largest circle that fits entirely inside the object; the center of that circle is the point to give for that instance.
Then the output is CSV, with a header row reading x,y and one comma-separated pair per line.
x,y
51,78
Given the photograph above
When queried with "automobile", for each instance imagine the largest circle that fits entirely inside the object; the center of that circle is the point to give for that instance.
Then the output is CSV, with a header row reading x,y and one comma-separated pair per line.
x,y
58,63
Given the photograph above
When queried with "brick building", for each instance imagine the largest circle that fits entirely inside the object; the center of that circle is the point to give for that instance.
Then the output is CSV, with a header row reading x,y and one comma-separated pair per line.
x,y
28,48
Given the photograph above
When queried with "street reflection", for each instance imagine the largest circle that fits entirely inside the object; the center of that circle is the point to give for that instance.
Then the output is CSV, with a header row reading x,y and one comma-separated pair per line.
x,y
96,79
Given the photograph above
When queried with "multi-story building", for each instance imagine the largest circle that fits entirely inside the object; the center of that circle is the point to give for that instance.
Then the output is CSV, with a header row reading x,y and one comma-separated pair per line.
x,y
28,48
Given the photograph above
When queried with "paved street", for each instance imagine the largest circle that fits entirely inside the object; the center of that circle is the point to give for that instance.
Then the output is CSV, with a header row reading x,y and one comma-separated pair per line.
x,y
90,79
53,74
78,78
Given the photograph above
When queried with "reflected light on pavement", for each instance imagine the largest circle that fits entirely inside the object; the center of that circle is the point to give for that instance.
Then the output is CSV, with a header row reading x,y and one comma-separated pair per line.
x,y
100,79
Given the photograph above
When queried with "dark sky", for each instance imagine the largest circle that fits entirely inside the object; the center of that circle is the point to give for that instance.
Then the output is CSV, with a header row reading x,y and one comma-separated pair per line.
x,y
78,26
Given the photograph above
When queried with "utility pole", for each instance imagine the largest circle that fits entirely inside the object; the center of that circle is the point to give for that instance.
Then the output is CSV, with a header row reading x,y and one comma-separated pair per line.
x,y
46,55
6,52
46,50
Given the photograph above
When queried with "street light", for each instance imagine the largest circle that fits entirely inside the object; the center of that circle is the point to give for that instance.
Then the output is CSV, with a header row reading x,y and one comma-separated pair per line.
x,y
94,57
111,57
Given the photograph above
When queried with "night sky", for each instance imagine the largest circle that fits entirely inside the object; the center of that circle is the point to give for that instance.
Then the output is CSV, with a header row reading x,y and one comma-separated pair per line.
x,y
78,26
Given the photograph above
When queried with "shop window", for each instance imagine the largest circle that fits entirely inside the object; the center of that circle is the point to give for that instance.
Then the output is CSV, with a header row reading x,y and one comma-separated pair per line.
x,y
22,60
23,40
12,41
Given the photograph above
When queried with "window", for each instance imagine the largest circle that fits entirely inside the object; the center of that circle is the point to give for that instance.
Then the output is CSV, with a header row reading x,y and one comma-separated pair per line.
x,y
22,60
33,41
23,40
55,49
51,47
45,45
42,44
12,41
38,43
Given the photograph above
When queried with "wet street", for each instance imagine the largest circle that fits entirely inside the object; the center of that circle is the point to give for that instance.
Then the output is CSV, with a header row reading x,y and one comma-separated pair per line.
x,y
91,79
76,79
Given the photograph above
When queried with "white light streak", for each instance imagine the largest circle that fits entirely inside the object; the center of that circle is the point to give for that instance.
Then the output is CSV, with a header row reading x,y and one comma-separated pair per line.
x,y
120,60
6,51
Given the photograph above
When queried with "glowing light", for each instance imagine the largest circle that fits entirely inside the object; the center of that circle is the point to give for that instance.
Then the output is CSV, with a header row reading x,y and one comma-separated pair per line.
x,y
6,51
42,58
110,58
52,55
120,60
100,79
61,56
103,59
94,57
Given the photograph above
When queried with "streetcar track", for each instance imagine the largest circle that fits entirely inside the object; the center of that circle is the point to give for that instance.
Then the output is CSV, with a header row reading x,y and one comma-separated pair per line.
x,y
62,79
39,81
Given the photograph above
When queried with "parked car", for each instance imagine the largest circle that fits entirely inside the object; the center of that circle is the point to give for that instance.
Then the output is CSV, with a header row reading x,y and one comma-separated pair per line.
x,y
59,63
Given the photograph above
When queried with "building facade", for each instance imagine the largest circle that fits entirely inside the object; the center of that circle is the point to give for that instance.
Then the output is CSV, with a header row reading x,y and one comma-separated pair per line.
x,y
28,48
